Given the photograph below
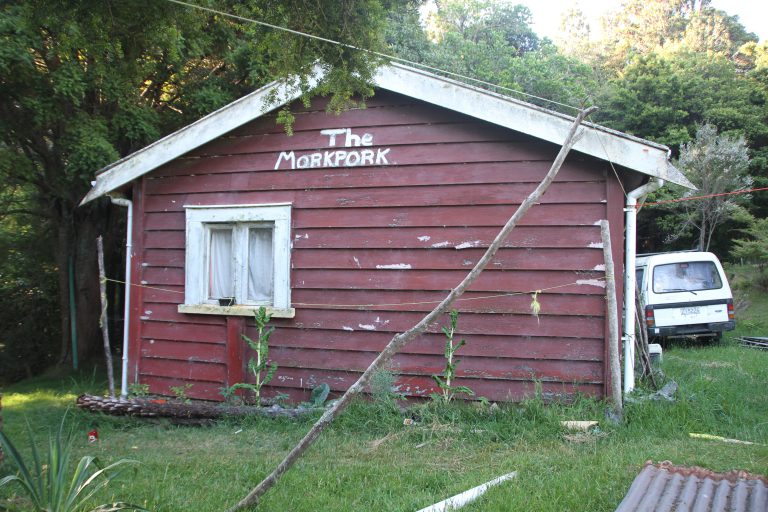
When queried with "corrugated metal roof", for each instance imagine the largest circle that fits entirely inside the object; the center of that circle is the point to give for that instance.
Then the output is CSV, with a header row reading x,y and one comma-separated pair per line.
x,y
665,487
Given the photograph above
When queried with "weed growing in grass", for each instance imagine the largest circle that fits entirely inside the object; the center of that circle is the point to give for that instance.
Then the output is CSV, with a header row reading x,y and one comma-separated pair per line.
x,y
85,381
319,395
447,391
383,389
138,390
180,392
260,364
229,394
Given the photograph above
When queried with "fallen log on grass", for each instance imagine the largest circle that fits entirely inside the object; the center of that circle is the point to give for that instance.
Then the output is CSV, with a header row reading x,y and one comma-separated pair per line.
x,y
144,407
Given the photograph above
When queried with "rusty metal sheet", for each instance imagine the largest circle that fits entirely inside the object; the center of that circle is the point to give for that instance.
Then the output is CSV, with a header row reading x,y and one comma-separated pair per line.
x,y
665,487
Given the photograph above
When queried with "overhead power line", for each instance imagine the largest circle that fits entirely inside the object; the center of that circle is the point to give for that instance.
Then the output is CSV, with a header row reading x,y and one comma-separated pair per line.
x,y
372,52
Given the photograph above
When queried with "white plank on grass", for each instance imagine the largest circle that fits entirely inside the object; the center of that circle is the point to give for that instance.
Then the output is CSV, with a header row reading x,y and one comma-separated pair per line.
x,y
458,501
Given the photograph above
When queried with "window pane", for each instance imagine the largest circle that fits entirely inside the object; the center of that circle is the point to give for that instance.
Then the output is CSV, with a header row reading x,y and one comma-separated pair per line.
x,y
220,261
686,276
260,277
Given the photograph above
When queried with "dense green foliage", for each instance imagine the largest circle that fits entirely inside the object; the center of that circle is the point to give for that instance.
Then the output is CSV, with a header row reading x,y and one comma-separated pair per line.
x,y
492,42
717,164
755,248
672,66
28,319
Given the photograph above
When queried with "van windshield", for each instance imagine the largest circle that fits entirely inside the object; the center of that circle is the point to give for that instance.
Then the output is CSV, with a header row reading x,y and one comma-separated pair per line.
x,y
686,276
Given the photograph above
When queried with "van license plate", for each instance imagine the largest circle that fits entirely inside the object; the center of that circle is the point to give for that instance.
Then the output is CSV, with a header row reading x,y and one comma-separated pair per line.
x,y
690,311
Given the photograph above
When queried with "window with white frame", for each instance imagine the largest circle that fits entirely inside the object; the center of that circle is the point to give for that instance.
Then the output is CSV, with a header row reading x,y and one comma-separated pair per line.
x,y
237,253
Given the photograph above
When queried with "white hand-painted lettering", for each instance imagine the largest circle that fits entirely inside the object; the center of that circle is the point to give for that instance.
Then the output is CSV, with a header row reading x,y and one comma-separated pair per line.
x,y
381,156
338,157
365,139
332,134
366,157
288,156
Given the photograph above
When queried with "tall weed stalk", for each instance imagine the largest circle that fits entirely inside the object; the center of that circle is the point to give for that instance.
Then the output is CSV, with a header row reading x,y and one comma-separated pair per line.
x,y
444,382
260,364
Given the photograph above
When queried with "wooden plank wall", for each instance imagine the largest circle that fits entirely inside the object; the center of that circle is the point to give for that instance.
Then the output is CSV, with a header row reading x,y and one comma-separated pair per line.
x,y
399,235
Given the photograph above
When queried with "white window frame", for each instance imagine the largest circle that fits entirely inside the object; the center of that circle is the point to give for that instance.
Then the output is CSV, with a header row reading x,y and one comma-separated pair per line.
x,y
199,220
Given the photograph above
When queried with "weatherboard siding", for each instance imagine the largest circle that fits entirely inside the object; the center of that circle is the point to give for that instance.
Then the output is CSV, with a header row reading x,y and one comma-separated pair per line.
x,y
400,235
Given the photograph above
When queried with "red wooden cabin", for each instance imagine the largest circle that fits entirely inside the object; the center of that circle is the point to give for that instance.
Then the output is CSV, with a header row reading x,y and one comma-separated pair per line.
x,y
355,226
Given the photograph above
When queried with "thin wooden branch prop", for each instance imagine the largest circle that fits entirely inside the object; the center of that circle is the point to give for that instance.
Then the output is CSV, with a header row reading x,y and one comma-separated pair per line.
x,y
612,319
103,318
641,342
400,340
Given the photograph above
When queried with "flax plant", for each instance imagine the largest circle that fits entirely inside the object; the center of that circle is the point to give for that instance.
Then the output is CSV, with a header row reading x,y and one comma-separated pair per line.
x,y
51,486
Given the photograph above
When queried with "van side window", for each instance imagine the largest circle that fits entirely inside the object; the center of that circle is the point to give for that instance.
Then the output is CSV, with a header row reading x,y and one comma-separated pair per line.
x,y
686,276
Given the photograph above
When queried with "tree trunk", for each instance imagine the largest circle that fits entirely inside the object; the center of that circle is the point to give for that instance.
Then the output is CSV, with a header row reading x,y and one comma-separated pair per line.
x,y
703,233
91,221
77,232
64,235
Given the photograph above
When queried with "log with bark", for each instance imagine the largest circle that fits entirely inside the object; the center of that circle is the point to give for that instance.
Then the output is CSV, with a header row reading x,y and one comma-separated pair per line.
x,y
194,410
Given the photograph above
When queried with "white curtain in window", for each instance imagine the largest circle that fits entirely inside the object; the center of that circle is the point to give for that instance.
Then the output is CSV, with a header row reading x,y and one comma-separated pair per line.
x,y
260,275
220,261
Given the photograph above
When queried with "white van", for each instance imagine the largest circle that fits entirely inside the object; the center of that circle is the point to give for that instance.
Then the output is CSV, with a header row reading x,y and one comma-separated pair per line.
x,y
684,294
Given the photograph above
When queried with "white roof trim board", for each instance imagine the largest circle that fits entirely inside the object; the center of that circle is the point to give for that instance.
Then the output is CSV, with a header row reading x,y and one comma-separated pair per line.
x,y
637,154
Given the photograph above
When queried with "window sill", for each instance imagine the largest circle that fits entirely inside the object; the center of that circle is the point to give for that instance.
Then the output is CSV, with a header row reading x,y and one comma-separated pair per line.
x,y
213,309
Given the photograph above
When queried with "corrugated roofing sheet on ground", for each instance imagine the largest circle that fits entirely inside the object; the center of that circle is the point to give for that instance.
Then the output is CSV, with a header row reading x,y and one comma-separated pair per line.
x,y
665,487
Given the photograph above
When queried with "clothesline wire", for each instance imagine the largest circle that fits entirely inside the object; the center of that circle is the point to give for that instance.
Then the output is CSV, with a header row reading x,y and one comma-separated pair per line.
x,y
398,304
708,196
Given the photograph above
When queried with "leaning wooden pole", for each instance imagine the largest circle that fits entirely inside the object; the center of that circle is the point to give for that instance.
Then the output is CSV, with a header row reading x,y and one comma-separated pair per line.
x,y
402,339
613,319
103,318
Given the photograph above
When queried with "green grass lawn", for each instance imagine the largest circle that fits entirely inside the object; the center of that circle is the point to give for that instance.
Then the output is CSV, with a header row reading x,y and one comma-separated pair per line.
x,y
369,460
